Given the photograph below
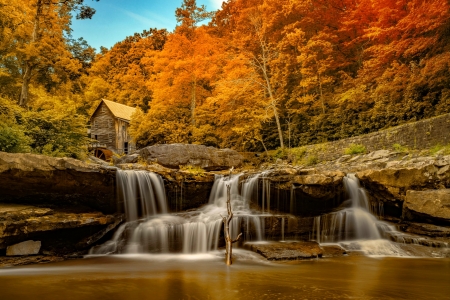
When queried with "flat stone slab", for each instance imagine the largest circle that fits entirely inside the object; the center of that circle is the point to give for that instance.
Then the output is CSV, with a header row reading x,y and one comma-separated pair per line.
x,y
24,248
286,250
17,222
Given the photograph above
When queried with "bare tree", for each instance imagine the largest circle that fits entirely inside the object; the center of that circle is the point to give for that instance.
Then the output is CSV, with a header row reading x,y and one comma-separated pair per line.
x,y
226,221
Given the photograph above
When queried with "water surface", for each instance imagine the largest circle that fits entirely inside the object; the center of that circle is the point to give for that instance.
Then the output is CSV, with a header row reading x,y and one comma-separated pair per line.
x,y
206,276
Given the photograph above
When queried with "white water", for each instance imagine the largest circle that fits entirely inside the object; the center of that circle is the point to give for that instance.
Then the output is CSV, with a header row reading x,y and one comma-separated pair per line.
x,y
195,231
142,192
356,228
150,229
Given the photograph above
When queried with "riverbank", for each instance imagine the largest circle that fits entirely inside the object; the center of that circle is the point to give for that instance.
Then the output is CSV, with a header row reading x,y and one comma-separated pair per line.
x,y
409,191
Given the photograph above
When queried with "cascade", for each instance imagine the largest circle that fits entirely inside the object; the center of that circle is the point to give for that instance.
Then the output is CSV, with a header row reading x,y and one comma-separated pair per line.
x,y
144,188
151,229
355,222
356,228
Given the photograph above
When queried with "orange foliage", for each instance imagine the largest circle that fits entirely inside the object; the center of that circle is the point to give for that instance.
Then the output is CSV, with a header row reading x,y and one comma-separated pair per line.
x,y
263,70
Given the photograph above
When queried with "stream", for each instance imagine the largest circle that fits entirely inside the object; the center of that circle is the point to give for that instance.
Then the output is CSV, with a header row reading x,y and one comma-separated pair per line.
x,y
159,255
205,276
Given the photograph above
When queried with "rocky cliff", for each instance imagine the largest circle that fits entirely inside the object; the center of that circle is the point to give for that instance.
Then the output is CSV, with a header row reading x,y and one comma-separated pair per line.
x,y
61,182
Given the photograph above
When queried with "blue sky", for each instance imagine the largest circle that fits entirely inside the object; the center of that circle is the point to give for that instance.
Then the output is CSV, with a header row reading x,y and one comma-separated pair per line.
x,y
117,19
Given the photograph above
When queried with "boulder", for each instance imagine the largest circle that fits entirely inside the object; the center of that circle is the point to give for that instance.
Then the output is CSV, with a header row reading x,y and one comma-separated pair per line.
x,y
65,182
126,159
401,177
430,206
24,248
53,227
389,185
286,250
176,155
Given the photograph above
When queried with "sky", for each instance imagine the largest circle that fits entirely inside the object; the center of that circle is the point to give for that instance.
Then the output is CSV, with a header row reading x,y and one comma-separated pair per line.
x,y
114,20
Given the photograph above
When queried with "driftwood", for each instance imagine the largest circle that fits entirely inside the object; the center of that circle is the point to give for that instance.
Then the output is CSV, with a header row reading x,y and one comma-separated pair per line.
x,y
226,221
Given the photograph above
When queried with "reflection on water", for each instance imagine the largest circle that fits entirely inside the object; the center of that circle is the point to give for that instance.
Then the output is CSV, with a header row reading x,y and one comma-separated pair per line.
x,y
207,277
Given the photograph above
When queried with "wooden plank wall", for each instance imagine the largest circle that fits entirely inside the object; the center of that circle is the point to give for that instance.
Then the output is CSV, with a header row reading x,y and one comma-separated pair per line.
x,y
110,131
102,126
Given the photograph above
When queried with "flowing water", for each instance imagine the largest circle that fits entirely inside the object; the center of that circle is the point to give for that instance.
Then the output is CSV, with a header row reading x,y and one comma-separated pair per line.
x,y
174,256
356,228
151,229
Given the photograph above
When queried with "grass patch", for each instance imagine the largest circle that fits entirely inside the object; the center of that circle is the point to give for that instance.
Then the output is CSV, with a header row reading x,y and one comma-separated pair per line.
x,y
355,149
444,150
292,155
311,160
194,170
400,148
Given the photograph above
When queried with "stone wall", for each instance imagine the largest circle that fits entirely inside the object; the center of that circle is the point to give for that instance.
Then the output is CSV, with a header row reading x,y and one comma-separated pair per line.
x,y
419,135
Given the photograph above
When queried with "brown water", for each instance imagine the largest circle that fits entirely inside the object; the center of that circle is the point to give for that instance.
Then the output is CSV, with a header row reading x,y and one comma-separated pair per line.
x,y
207,277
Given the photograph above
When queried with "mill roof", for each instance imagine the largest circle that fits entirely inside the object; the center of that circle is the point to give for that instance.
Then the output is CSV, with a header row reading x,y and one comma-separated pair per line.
x,y
120,111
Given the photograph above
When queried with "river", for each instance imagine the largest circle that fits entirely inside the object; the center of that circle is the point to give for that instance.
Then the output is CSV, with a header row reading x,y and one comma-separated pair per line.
x,y
205,276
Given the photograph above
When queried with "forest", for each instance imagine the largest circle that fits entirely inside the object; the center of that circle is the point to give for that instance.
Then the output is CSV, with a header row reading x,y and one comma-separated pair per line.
x,y
254,75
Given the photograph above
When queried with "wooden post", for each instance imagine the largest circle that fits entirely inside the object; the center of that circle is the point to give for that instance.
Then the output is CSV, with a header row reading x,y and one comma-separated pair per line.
x,y
226,221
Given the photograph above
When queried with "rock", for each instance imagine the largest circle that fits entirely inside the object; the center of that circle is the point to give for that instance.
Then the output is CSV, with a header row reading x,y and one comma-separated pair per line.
x,y
425,229
98,161
24,248
126,159
333,251
53,227
65,182
379,154
343,158
10,261
431,206
402,177
286,250
176,155
313,179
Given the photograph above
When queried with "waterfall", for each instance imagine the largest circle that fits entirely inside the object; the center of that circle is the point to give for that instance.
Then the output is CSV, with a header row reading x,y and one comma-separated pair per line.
x,y
151,229
142,192
250,189
352,223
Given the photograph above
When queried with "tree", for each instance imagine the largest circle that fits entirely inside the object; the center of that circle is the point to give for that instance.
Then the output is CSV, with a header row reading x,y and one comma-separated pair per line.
x,y
42,43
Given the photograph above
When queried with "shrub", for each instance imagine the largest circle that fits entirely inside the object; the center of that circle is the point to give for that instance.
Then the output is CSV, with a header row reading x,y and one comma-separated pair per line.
x,y
312,160
445,150
399,148
355,149
194,170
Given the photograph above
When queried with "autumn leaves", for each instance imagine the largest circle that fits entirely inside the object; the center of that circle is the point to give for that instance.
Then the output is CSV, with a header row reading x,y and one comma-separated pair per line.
x,y
262,74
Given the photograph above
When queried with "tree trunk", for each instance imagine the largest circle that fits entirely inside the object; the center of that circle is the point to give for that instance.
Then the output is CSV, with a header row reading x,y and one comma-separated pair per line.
x,y
25,83
262,65
193,102
23,100
321,93
226,221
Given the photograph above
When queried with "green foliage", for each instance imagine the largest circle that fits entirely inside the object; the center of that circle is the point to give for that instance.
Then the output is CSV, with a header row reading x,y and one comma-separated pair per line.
x,y
194,170
400,148
51,128
355,149
12,136
312,160
57,133
440,149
